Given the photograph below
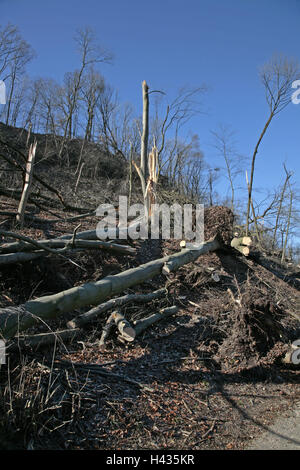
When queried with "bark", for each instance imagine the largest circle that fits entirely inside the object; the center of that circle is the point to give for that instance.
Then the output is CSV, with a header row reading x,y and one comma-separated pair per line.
x,y
51,306
95,312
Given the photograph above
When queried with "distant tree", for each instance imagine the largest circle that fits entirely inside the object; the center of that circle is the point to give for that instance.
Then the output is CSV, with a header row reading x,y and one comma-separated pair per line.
x,y
226,148
22,54
9,38
277,77
92,87
90,53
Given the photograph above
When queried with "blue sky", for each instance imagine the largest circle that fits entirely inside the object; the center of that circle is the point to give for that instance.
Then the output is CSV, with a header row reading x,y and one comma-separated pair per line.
x,y
172,43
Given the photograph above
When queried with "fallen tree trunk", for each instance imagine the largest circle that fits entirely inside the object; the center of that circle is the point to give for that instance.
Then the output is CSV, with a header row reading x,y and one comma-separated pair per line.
x,y
16,319
56,243
186,256
13,258
112,303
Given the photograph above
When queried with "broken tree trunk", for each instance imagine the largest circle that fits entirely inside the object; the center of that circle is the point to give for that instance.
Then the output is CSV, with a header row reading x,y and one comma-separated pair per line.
x,y
123,325
16,319
112,303
27,184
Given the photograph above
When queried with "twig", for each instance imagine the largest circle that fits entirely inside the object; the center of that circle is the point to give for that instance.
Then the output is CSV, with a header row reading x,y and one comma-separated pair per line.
x,y
206,433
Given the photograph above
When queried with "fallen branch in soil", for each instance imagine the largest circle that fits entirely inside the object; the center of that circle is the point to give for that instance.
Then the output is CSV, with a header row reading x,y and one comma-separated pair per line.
x,y
98,369
92,314
141,325
51,306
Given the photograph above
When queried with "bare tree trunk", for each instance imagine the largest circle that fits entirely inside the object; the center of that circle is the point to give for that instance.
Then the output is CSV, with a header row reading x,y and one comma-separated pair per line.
x,y
145,133
79,176
288,226
27,184
288,175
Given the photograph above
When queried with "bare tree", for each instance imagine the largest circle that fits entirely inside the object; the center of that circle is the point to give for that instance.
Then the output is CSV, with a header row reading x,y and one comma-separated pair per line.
x,y
277,77
177,113
226,148
282,196
22,54
9,39
92,87
90,53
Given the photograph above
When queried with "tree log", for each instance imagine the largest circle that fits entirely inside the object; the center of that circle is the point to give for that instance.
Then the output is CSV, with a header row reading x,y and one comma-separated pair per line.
x,y
12,320
188,255
242,245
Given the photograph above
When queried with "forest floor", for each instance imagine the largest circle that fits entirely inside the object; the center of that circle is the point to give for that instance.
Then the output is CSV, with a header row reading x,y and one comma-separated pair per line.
x,y
209,377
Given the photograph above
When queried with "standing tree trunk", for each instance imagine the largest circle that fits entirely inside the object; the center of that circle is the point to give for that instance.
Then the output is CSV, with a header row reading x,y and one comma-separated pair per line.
x,y
27,184
145,133
250,186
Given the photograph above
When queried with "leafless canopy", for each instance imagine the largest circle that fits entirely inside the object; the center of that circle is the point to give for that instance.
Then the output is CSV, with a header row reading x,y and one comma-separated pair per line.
x,y
277,76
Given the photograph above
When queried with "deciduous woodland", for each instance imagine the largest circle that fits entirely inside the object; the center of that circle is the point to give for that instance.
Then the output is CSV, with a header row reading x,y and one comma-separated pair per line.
x,y
137,343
